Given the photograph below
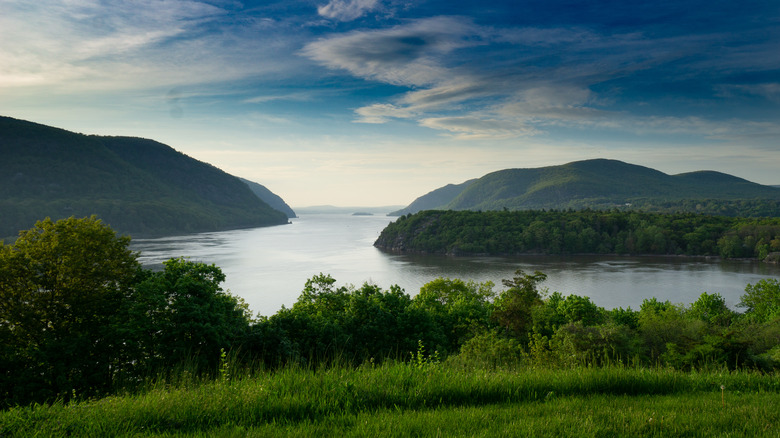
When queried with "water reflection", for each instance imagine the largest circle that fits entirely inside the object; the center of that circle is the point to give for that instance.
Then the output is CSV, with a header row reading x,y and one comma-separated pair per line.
x,y
268,267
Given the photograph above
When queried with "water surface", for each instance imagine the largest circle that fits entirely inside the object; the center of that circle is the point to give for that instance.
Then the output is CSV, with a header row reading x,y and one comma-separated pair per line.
x,y
268,267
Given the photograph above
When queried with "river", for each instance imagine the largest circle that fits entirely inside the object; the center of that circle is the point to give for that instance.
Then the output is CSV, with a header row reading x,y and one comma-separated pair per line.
x,y
268,267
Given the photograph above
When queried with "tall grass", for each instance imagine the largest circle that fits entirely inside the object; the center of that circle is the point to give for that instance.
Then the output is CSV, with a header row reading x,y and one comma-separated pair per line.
x,y
294,400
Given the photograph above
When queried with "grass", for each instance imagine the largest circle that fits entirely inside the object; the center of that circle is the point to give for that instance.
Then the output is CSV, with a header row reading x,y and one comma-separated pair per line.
x,y
429,400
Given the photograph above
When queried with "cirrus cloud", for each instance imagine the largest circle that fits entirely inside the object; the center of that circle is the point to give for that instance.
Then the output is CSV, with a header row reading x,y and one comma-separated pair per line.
x,y
347,10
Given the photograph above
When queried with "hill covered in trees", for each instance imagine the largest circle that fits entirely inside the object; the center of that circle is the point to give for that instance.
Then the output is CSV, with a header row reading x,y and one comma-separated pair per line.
x,y
580,232
138,186
275,201
604,184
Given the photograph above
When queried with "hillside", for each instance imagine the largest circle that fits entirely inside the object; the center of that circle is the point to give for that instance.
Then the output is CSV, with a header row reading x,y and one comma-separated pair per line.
x,y
605,184
434,200
275,201
138,186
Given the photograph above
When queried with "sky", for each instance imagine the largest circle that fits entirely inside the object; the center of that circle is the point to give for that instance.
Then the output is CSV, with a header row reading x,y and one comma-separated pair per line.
x,y
377,102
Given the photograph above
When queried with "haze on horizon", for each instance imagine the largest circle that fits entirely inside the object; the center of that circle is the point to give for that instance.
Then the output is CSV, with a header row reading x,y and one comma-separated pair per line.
x,y
376,102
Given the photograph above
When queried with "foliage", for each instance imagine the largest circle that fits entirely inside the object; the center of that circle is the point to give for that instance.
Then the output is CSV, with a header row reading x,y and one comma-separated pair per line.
x,y
79,318
60,287
330,323
138,186
181,314
491,350
580,232
762,300
604,185
712,309
457,309
578,344
514,306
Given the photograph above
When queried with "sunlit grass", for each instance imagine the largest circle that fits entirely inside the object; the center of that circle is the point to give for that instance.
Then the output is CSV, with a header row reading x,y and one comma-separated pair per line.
x,y
431,400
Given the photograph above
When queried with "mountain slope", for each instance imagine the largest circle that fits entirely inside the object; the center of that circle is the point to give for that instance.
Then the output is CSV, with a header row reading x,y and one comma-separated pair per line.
x,y
603,184
138,186
270,198
434,200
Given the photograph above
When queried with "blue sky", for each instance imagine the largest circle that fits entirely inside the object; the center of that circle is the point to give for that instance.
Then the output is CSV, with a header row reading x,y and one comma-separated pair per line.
x,y
376,102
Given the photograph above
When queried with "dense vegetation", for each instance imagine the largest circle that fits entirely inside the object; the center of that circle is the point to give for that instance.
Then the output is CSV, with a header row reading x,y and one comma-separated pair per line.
x,y
581,232
605,185
272,199
140,187
79,318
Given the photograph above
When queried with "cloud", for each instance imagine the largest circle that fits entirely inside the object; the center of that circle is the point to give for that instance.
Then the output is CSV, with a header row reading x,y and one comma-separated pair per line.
x,y
407,55
471,128
299,96
53,42
475,81
381,113
347,10
89,46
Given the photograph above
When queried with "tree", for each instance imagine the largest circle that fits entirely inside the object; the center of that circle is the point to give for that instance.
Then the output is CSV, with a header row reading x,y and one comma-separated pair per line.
x,y
458,309
181,315
513,307
762,300
61,285
712,309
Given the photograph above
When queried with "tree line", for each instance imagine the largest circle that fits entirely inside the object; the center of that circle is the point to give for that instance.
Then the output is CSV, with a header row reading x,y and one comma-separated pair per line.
x,y
79,317
581,232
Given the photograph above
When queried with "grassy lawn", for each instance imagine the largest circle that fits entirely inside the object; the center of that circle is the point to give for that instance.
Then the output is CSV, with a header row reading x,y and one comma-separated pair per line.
x,y
432,400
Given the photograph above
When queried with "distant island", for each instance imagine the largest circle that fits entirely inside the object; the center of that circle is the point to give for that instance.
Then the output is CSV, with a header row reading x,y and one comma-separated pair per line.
x,y
603,184
362,213
138,186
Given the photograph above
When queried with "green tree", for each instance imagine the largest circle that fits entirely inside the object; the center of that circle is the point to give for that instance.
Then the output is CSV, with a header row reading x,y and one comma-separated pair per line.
x,y
513,309
762,300
182,315
61,285
458,309
712,309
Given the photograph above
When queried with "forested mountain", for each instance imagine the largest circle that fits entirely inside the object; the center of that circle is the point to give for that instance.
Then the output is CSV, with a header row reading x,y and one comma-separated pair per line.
x,y
435,200
138,186
605,184
275,201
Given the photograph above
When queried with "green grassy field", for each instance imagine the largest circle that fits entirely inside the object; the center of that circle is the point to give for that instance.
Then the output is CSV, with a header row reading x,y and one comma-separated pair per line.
x,y
401,399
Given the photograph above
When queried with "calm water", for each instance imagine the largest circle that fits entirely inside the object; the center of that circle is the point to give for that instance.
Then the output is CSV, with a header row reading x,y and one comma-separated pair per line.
x,y
268,267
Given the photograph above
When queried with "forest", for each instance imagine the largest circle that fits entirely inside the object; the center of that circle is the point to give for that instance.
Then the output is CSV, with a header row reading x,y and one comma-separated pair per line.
x,y
80,318
139,186
581,232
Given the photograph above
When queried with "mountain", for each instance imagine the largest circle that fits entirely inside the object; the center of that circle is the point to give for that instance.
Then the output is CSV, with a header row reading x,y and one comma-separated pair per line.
x,y
138,186
434,200
604,184
269,197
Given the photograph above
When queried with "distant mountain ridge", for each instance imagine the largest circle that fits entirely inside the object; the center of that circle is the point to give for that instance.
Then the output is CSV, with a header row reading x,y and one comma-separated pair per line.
x,y
275,201
602,184
138,186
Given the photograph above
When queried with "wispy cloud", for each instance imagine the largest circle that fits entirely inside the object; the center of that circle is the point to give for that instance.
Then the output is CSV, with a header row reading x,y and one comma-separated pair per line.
x,y
475,81
347,10
135,44
407,55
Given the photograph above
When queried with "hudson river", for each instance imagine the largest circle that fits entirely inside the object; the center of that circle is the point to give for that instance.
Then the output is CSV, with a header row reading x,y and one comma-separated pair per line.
x,y
268,267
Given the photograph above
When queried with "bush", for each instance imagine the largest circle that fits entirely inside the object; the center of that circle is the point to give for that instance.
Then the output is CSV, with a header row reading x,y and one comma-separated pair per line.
x,y
490,350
